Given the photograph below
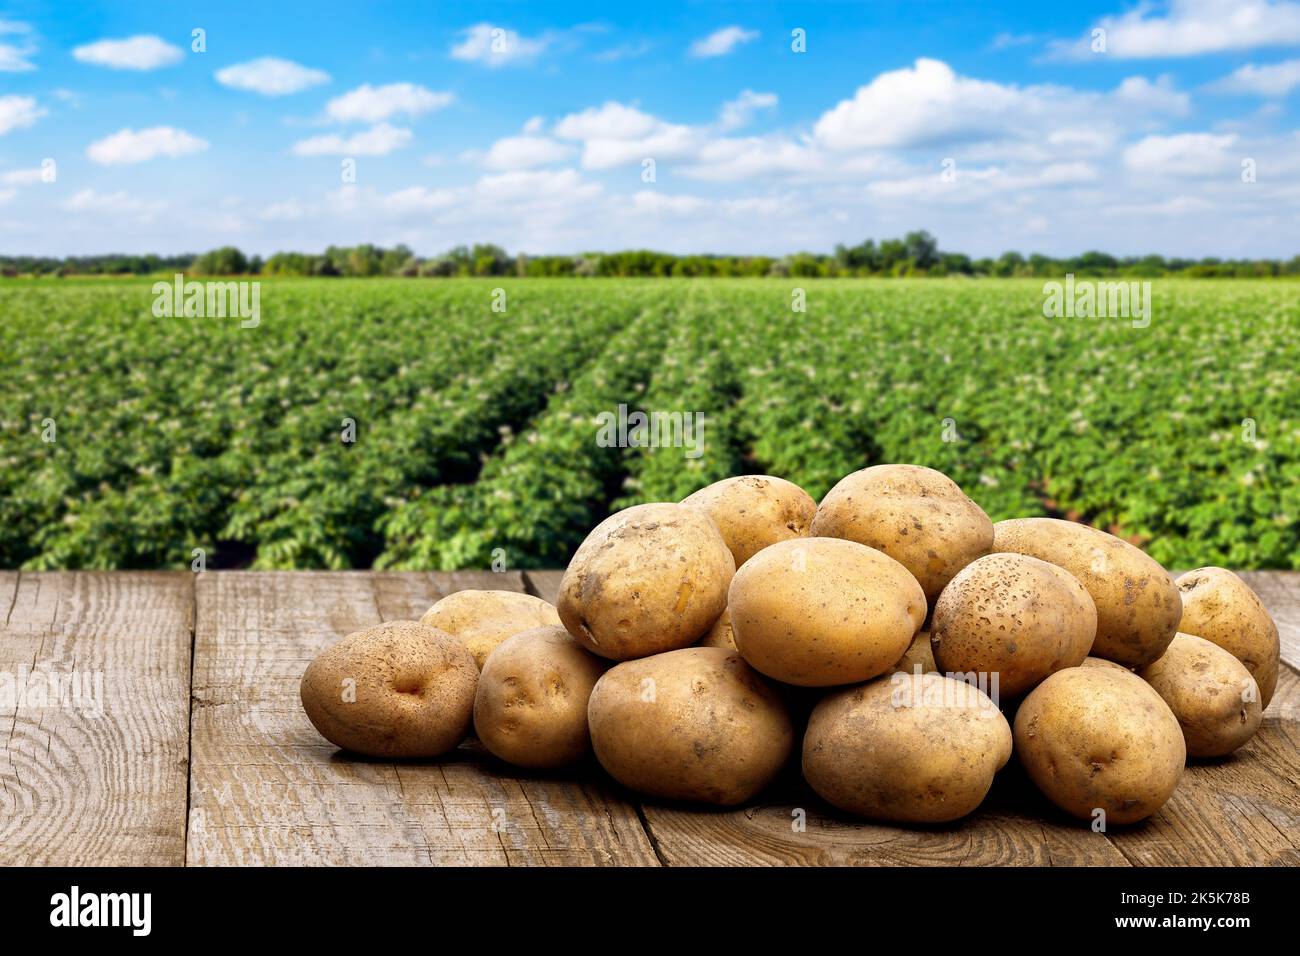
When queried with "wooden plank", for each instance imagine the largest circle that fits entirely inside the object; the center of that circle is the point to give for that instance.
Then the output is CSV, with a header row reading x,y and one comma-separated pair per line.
x,y
544,584
1237,811
267,789
1280,592
1000,833
95,772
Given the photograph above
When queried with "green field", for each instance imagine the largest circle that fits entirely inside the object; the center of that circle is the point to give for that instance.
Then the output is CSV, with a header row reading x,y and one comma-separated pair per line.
x,y
476,430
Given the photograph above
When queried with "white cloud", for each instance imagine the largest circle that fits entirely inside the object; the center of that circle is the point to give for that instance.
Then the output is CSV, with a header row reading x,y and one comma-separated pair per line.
x,y
289,210
1273,79
137,146
21,177
1190,28
740,159
1184,154
1176,206
920,105
497,46
87,200
618,135
134,53
524,152
419,199
7,195
721,42
18,112
558,184
612,120
1082,139
271,76
740,111
657,203
16,57
928,104
370,104
624,51
379,140
1159,96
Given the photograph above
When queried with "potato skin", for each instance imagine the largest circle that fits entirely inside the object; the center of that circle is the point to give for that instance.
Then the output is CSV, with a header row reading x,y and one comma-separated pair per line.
x,y
919,652
648,579
753,511
1100,738
483,619
413,691
906,748
720,634
1137,604
1102,662
1221,607
1212,694
823,611
1015,616
917,516
693,724
531,706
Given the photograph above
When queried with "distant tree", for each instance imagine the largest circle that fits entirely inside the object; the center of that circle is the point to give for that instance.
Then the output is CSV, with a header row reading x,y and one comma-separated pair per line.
x,y
226,261
1008,264
922,248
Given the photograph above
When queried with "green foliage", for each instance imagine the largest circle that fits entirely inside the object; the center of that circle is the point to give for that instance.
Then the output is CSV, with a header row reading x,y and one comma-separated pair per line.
x,y
916,254
476,430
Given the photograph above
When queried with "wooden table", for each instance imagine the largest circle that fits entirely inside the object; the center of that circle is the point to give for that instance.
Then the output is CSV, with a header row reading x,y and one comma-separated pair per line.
x,y
202,754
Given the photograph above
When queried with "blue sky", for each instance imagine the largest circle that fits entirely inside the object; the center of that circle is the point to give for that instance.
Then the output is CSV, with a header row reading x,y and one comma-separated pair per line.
x,y
995,126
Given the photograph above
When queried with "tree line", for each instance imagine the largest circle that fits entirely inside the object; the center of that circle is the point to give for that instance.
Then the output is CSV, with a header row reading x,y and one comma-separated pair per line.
x,y
916,254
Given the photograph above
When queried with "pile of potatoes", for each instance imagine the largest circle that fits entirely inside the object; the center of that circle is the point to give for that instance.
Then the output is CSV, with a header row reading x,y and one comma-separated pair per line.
x,y
915,644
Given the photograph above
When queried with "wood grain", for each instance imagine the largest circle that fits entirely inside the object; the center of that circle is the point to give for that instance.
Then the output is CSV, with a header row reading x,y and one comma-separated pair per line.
x,y
80,789
544,584
95,773
267,789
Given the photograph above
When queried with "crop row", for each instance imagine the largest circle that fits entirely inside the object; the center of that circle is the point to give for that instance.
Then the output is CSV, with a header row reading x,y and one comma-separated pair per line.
x,y
412,424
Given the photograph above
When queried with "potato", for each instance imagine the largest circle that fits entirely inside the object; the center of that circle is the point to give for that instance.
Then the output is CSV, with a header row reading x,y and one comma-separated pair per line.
x,y
483,619
692,724
919,652
720,633
1102,662
822,611
1098,738
1137,604
531,705
916,749
400,689
1015,617
1211,693
1220,607
648,579
753,511
917,516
